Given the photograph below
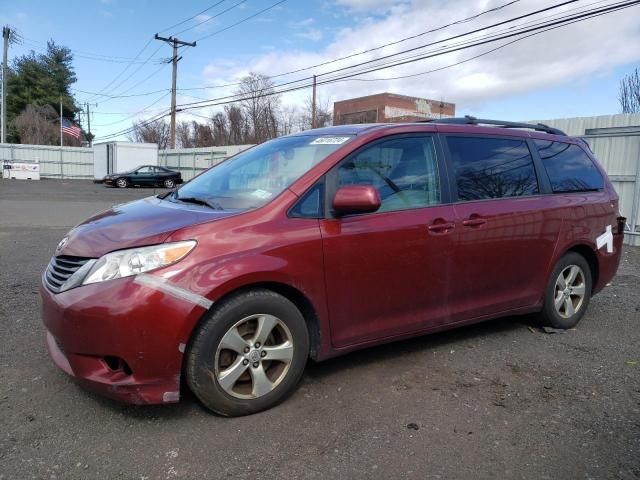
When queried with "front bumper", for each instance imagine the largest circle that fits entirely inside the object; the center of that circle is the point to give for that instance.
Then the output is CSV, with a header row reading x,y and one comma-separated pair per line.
x,y
120,339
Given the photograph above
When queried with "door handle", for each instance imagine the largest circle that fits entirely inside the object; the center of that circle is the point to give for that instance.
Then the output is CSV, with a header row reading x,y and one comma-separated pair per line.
x,y
443,227
474,222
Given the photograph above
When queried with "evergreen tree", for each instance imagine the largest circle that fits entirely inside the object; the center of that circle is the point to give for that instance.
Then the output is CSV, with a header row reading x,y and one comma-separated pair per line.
x,y
40,80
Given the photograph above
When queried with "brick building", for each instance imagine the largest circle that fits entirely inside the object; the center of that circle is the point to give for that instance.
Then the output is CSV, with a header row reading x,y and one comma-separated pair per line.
x,y
389,107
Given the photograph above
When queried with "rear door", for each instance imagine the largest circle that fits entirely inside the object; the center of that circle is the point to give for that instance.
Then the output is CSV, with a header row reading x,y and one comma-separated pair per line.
x,y
506,230
387,272
161,174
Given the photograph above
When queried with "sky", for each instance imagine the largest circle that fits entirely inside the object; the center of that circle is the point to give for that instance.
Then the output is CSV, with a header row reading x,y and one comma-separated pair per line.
x,y
122,71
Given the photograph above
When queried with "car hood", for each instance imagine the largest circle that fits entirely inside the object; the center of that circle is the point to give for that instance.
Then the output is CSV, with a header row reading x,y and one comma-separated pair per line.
x,y
142,222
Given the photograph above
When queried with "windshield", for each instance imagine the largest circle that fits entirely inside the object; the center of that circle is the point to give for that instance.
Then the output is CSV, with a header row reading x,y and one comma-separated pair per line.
x,y
252,178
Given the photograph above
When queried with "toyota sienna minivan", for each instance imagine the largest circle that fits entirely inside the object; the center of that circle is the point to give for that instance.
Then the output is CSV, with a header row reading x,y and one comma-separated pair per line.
x,y
326,241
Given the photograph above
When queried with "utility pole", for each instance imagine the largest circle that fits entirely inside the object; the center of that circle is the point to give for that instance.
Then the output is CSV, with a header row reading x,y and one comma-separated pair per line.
x,y
174,42
61,121
313,104
6,33
90,137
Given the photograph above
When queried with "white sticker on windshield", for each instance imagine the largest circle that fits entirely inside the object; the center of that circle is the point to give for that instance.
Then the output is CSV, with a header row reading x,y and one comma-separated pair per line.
x,y
329,140
261,193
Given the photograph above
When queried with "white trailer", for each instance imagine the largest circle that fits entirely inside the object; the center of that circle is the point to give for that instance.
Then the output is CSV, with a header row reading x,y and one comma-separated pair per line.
x,y
116,157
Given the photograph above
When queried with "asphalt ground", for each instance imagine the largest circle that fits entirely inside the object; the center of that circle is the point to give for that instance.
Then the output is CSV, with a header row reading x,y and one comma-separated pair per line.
x,y
501,399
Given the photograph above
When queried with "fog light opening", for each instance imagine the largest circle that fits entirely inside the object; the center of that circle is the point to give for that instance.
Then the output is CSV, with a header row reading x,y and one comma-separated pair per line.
x,y
116,364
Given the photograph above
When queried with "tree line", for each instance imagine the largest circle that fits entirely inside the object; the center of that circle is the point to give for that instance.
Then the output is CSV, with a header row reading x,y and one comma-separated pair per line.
x,y
258,116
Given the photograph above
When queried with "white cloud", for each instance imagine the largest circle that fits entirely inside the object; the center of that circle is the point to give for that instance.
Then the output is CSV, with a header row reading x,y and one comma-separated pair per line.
x,y
314,35
303,23
556,57
372,5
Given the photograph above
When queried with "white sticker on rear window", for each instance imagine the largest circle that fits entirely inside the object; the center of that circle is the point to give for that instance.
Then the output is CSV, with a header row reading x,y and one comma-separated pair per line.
x,y
261,193
329,140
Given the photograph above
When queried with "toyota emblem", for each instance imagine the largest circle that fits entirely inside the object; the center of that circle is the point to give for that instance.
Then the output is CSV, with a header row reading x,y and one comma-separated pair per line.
x,y
62,244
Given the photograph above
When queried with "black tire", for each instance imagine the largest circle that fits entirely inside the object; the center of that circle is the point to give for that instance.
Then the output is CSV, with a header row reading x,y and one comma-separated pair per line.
x,y
122,183
202,356
169,183
562,319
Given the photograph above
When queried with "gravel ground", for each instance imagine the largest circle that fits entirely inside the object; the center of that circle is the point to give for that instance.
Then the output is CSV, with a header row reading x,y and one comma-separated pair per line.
x,y
497,400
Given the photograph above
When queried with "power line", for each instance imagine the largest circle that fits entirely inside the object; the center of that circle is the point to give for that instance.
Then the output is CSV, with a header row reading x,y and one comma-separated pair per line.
x,y
145,109
460,21
212,17
565,20
404,51
122,72
86,56
145,94
379,47
241,21
140,82
534,31
192,17
130,129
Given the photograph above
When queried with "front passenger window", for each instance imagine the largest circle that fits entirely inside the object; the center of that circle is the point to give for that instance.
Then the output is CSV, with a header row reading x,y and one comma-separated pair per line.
x,y
404,171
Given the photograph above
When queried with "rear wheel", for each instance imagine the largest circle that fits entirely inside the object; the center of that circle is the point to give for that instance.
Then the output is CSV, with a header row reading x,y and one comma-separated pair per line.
x,y
169,183
122,183
249,354
568,292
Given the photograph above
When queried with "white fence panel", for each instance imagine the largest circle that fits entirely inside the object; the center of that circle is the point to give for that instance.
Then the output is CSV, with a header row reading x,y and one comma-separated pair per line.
x,y
192,161
55,162
619,154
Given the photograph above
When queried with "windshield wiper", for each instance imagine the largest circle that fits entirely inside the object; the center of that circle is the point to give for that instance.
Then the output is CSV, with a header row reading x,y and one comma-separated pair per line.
x,y
200,201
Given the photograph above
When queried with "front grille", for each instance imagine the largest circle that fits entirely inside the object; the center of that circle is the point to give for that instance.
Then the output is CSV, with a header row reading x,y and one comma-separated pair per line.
x,y
60,270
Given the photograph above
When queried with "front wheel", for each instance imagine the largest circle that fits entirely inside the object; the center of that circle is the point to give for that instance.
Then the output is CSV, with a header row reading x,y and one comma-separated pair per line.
x,y
568,292
249,354
122,183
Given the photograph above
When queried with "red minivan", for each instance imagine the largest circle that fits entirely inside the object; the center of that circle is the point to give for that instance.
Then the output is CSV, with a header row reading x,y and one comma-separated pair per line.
x,y
326,241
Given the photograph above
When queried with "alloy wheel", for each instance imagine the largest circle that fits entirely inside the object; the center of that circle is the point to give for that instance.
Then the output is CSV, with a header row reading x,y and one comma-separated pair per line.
x,y
169,184
254,356
570,291
122,183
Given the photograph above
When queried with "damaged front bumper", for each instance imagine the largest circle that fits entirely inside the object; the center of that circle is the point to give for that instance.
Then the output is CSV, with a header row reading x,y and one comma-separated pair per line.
x,y
120,339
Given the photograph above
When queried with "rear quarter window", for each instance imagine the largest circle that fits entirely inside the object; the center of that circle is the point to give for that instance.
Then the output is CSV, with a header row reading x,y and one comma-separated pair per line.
x,y
488,167
569,167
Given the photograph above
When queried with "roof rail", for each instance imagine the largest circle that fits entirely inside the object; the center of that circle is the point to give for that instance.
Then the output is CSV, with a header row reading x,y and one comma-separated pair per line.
x,y
469,120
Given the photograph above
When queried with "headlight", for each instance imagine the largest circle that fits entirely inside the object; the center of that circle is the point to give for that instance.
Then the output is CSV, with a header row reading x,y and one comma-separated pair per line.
x,y
125,263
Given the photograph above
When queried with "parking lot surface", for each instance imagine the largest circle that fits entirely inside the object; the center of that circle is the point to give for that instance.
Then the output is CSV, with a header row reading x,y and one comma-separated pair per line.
x,y
501,399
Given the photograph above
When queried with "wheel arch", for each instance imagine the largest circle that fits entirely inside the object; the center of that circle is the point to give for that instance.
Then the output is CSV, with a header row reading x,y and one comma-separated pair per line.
x,y
587,252
294,295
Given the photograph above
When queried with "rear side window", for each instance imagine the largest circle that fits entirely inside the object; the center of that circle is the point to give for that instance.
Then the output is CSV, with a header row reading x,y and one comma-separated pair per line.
x,y
492,167
569,168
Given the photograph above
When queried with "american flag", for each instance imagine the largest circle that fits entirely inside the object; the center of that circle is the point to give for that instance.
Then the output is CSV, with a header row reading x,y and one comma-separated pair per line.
x,y
70,128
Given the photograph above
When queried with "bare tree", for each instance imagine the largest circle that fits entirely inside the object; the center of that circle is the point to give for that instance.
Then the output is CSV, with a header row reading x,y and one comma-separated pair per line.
x,y
220,129
238,125
288,118
260,105
629,94
39,125
323,114
152,132
184,135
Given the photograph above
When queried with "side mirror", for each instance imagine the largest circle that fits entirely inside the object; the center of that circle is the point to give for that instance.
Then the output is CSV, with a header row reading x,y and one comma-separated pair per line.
x,y
356,199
